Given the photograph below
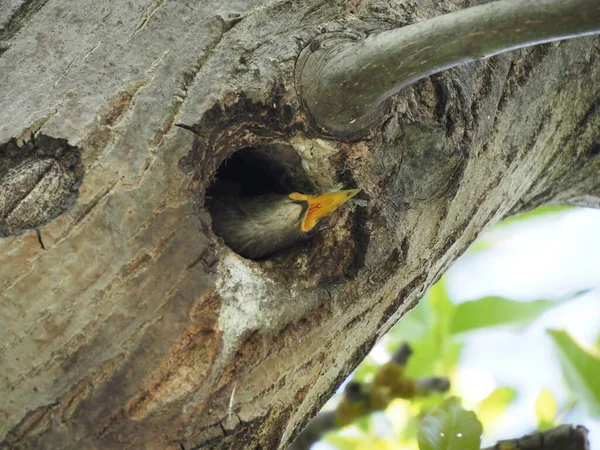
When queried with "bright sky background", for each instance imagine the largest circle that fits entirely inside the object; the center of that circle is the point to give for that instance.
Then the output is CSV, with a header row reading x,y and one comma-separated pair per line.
x,y
549,258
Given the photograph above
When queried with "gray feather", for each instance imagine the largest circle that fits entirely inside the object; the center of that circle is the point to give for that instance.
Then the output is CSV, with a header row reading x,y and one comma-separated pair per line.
x,y
257,226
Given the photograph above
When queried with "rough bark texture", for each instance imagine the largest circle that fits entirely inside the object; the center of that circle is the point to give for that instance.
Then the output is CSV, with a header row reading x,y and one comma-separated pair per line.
x,y
137,327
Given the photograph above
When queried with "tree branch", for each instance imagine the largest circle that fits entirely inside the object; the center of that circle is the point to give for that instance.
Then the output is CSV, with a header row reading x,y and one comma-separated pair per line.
x,y
343,82
563,437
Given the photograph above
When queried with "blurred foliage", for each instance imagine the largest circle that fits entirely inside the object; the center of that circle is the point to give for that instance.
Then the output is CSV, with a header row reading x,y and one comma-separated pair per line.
x,y
428,329
450,427
546,409
581,370
491,408
488,312
366,371
374,394
361,443
537,213
436,330
431,327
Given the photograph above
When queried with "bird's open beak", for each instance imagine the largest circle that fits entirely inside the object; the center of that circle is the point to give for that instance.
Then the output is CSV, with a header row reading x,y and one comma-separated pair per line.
x,y
320,206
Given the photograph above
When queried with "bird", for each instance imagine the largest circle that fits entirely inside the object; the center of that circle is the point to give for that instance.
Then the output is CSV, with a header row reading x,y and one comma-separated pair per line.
x,y
258,226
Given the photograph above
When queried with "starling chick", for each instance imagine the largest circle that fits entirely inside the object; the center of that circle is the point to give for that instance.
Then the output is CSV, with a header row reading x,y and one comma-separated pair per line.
x,y
258,226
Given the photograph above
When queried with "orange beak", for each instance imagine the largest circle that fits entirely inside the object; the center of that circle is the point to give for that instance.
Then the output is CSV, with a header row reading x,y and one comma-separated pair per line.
x,y
320,206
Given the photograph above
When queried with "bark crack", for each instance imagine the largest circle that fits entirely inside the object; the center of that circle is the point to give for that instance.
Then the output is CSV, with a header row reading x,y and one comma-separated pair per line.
x,y
62,75
36,418
87,209
89,51
146,16
187,79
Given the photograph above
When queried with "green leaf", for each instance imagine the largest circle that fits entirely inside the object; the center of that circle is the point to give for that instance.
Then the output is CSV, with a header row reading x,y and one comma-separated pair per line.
x,y
345,442
546,409
422,362
427,327
450,358
490,312
447,351
580,369
440,301
537,212
438,354
494,405
363,424
480,245
450,427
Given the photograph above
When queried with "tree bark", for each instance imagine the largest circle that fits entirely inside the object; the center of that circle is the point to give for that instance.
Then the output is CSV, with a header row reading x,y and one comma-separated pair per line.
x,y
137,327
347,80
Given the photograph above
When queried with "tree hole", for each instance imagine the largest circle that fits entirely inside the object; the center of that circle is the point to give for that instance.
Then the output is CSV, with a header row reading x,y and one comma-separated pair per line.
x,y
260,170
264,171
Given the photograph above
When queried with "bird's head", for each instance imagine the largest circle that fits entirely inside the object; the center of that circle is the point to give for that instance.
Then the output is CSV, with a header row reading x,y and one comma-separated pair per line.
x,y
261,225
317,207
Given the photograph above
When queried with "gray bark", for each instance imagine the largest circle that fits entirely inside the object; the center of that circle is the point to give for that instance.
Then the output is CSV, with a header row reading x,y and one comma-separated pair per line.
x,y
137,327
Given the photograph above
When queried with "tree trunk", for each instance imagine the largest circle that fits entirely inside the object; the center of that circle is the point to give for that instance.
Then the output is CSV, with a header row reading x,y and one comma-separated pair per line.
x,y
136,327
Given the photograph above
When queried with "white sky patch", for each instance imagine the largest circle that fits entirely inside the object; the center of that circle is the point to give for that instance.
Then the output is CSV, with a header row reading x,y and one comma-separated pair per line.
x,y
546,258
379,353
474,385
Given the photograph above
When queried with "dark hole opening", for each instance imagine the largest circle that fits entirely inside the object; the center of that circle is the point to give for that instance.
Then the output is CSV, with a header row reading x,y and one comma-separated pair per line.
x,y
260,170
251,172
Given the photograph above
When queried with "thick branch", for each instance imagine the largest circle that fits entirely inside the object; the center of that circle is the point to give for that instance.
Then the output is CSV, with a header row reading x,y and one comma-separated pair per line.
x,y
563,437
343,82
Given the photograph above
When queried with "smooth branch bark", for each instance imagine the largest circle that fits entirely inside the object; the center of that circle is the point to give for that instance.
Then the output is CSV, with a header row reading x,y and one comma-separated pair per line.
x,y
345,82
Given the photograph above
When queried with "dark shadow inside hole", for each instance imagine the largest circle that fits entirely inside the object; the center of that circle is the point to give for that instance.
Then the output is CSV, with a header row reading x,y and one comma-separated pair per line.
x,y
260,170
